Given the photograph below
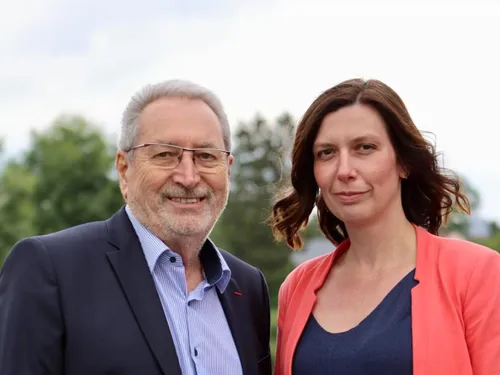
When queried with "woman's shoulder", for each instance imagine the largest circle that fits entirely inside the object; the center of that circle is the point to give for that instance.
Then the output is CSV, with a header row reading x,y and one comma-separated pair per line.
x,y
462,254
303,278
457,247
311,272
307,268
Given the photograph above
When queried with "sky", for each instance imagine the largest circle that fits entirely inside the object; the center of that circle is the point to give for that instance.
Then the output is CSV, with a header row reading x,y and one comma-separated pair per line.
x,y
88,57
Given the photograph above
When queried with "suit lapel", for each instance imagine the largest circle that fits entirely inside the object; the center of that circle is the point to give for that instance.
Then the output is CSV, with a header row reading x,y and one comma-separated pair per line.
x,y
135,278
238,326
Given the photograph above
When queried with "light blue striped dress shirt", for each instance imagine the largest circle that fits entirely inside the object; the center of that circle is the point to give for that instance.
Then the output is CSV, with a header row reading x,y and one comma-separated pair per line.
x,y
199,328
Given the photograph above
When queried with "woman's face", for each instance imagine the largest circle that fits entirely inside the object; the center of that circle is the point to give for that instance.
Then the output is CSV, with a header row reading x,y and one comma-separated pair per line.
x,y
355,166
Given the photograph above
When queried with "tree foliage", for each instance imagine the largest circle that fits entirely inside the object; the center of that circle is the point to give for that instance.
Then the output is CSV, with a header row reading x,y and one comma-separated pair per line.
x,y
459,221
260,166
63,179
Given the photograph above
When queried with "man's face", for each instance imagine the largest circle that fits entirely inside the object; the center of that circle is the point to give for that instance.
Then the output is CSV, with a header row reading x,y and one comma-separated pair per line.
x,y
185,200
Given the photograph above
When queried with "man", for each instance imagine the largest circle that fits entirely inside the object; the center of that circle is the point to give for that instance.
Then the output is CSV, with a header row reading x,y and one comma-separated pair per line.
x,y
145,292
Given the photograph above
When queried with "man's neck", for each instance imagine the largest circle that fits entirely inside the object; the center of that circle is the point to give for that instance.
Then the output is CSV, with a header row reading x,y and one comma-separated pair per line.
x,y
188,247
189,250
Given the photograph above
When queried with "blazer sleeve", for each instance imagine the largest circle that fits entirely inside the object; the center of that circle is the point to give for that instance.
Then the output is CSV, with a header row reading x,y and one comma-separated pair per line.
x,y
482,315
282,303
31,327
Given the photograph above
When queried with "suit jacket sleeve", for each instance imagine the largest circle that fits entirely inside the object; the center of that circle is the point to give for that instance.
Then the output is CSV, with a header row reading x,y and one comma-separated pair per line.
x,y
265,365
482,316
31,326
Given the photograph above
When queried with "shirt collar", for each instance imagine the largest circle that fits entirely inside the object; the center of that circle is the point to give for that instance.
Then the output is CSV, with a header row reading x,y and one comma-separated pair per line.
x,y
215,267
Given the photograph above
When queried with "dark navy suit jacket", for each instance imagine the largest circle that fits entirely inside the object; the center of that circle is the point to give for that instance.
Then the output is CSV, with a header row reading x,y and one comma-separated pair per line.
x,y
83,302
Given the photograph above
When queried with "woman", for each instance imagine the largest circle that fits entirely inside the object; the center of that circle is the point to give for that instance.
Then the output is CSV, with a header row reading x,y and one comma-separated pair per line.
x,y
393,298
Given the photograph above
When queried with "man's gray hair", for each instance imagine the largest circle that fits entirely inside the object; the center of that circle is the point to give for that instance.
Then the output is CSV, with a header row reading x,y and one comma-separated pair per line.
x,y
168,89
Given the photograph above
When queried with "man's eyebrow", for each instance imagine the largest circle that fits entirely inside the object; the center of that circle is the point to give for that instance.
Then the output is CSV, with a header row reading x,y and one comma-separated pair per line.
x,y
206,145
197,145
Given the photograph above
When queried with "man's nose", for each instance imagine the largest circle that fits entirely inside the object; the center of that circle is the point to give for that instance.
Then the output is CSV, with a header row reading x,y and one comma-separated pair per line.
x,y
186,173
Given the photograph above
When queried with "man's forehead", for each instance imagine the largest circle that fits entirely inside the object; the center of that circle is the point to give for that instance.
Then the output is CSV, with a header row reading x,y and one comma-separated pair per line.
x,y
191,142
186,135
176,106
183,122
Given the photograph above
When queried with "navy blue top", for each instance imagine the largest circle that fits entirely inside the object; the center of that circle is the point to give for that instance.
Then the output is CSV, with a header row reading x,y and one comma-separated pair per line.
x,y
380,344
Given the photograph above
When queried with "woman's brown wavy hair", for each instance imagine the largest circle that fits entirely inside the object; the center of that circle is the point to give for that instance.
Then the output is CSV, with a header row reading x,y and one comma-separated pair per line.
x,y
428,194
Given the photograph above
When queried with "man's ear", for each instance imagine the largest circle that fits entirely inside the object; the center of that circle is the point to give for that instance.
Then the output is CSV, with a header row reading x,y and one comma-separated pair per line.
x,y
122,164
230,160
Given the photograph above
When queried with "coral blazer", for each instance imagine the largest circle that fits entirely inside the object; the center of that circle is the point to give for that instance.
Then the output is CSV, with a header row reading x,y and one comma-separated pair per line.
x,y
455,307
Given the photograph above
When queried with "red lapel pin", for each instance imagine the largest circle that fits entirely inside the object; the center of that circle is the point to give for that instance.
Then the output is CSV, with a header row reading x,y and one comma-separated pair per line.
x,y
238,293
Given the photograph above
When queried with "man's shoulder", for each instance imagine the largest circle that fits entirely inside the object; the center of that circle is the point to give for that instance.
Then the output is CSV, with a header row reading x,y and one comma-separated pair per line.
x,y
237,264
78,234
70,240
60,250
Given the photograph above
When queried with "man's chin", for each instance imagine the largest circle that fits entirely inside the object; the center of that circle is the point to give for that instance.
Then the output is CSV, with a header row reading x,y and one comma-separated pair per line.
x,y
190,228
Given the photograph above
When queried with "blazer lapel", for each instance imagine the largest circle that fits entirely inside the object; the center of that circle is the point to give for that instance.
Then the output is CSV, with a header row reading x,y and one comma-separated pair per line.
x,y
237,325
421,322
131,268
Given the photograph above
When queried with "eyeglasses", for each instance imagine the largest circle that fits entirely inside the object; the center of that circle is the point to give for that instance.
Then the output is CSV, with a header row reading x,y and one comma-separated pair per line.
x,y
169,156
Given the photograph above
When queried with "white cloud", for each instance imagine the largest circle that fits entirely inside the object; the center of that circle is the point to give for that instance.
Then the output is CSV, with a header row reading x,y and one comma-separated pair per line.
x,y
440,57
15,17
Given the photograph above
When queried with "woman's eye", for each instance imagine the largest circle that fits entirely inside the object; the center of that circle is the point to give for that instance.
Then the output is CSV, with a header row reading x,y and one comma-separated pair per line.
x,y
366,147
324,153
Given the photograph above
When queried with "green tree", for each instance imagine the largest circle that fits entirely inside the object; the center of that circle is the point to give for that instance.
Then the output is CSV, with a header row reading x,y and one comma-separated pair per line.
x,y
493,242
17,211
261,163
494,228
459,221
63,179
72,162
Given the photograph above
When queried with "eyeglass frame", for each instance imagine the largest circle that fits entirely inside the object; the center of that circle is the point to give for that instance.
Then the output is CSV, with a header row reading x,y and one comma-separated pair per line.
x,y
191,149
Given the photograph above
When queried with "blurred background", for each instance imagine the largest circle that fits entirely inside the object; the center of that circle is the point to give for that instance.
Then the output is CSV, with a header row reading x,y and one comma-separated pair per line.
x,y
69,67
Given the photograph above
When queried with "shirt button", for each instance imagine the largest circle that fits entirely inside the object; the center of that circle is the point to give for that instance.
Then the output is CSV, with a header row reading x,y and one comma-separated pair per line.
x,y
195,352
172,259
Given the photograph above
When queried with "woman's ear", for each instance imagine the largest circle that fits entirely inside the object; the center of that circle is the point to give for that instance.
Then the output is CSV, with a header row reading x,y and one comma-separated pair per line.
x,y
403,173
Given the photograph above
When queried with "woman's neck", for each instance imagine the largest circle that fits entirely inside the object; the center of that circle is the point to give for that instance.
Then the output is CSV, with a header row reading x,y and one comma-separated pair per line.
x,y
388,243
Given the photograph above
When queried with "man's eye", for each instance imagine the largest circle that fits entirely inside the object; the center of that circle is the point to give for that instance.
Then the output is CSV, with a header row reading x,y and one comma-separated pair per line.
x,y
166,154
206,156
